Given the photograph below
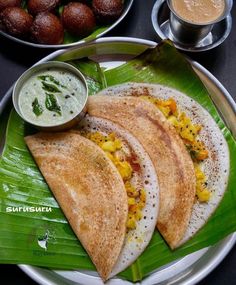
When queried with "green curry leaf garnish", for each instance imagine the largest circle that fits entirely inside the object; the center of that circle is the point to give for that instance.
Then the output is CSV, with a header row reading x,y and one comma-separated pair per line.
x,y
51,78
50,87
52,104
37,108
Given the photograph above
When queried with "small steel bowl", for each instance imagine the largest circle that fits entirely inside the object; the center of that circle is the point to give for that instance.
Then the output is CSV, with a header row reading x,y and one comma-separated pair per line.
x,y
41,67
189,33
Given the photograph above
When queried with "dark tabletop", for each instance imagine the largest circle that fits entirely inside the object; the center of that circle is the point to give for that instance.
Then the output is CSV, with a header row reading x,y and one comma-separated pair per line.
x,y
221,62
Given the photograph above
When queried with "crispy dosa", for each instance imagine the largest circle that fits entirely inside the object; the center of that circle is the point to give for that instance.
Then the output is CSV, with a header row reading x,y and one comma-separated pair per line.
x,y
143,178
172,162
216,167
89,190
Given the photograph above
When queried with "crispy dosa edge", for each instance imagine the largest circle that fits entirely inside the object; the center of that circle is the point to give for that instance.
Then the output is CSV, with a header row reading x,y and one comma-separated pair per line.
x,y
172,162
89,190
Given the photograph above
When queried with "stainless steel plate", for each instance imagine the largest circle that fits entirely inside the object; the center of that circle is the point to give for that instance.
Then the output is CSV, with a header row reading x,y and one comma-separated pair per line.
x,y
127,6
112,52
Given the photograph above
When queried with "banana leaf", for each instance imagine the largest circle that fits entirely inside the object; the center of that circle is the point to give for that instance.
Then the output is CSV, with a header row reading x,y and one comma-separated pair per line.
x,y
69,38
22,185
93,74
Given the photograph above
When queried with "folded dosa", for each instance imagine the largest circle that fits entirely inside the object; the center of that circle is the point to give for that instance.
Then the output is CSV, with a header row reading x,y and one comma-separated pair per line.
x,y
89,190
172,162
143,178
216,167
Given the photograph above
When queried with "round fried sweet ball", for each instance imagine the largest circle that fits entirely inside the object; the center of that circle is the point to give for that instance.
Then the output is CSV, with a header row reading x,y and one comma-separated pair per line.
x,y
107,11
38,6
47,29
9,3
78,19
16,21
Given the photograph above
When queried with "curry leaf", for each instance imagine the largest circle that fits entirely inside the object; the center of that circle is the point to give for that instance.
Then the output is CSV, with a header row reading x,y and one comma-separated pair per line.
x,y
50,87
51,78
37,108
52,104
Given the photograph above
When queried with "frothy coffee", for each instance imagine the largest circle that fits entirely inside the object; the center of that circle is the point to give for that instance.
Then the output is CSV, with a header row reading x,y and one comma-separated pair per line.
x,y
199,11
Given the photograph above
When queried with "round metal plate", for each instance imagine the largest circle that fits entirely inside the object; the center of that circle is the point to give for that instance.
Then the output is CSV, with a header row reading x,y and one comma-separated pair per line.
x,y
190,269
127,6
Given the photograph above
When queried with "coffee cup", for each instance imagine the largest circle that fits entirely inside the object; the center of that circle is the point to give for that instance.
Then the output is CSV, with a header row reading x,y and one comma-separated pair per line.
x,y
191,31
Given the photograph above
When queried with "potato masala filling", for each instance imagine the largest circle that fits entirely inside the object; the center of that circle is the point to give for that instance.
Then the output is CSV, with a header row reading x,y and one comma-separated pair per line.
x,y
113,149
189,132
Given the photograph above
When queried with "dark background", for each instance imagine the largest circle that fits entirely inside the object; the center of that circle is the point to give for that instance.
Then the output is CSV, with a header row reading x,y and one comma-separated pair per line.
x,y
221,62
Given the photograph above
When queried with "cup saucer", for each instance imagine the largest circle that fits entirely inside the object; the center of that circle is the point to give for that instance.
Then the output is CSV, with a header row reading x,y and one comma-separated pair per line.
x,y
161,24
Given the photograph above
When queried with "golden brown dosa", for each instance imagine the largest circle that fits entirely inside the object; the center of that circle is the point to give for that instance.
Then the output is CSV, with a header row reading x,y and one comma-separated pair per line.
x,y
89,190
172,162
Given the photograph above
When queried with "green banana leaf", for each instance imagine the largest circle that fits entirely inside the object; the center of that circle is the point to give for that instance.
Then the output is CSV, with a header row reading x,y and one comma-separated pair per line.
x,y
69,38
93,74
21,183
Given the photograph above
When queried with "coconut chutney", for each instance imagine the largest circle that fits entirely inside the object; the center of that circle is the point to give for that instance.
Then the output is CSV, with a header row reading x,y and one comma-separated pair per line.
x,y
52,97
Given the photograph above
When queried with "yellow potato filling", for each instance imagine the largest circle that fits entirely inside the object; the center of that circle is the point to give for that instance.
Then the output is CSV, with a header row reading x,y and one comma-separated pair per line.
x,y
203,194
136,197
189,133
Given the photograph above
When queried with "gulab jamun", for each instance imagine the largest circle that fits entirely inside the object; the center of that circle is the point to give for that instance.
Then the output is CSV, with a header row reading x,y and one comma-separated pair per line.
x,y
9,3
37,6
16,21
107,11
47,29
78,19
